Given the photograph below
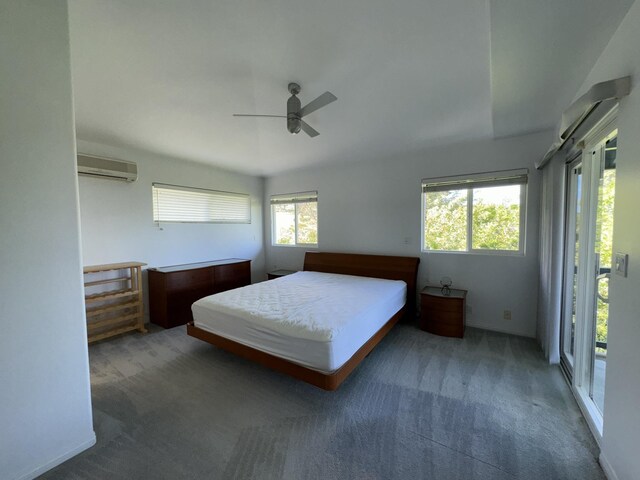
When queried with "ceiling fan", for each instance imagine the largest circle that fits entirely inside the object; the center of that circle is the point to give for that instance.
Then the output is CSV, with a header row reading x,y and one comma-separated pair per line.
x,y
295,112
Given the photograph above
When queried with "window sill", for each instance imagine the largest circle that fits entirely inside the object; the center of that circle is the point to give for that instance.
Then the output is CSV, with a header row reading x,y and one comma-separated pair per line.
x,y
495,253
309,245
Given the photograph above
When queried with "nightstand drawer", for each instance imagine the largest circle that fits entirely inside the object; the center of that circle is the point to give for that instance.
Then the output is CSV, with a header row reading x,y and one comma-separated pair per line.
x,y
445,329
442,304
443,316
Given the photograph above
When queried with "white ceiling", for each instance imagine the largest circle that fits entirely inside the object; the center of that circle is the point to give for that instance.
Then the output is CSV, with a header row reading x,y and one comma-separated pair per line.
x,y
167,76
541,52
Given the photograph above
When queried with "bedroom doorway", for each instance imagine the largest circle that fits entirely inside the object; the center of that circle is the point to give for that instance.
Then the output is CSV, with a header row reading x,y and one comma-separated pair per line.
x,y
591,181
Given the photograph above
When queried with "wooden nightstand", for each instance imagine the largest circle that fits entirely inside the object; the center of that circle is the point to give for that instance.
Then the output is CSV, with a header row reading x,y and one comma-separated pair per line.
x,y
279,273
443,314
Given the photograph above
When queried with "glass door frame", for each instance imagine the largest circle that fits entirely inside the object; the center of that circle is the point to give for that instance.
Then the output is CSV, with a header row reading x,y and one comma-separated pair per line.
x,y
585,306
581,376
569,268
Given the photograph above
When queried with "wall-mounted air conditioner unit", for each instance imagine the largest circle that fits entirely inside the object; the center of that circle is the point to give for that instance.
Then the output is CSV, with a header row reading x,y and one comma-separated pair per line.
x,y
107,168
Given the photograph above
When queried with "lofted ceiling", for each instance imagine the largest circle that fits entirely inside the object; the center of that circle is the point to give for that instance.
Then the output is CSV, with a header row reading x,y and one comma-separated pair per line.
x,y
541,52
166,76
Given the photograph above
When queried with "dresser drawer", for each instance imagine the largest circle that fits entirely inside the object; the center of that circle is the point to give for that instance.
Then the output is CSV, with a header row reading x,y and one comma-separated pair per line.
x,y
189,279
227,277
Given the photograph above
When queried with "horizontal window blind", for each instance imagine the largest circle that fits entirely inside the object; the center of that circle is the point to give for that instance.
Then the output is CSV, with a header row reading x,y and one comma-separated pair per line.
x,y
478,180
302,197
172,203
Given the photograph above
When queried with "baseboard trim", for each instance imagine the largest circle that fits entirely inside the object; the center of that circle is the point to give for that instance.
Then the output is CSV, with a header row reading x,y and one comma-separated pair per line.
x,y
480,326
609,472
62,458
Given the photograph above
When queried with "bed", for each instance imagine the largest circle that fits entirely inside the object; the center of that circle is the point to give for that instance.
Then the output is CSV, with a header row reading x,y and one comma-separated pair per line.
x,y
316,325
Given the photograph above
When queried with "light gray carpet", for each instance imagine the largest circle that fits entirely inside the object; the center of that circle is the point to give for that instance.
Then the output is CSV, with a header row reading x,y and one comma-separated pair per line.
x,y
167,406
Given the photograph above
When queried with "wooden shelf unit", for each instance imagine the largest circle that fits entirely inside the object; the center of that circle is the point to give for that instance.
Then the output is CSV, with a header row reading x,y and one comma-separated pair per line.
x,y
113,303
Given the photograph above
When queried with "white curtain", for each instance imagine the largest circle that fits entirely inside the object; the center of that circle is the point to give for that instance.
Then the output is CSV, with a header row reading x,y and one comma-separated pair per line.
x,y
551,258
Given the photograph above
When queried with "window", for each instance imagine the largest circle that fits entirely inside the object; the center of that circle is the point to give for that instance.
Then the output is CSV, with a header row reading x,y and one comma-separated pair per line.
x,y
172,203
294,219
475,213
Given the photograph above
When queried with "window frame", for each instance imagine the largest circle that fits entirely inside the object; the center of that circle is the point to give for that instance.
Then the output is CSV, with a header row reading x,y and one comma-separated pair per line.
x,y
296,199
457,183
213,193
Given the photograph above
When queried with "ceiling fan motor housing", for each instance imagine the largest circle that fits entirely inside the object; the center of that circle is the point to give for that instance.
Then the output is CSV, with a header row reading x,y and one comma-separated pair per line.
x,y
293,114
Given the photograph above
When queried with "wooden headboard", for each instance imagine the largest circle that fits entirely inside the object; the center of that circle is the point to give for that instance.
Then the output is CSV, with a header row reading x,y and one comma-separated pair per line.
x,y
376,266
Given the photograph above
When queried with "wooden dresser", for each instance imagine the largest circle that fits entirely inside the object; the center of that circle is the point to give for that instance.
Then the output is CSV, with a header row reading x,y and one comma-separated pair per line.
x,y
442,314
172,290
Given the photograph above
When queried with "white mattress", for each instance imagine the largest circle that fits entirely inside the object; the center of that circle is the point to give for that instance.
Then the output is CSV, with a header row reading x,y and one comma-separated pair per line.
x,y
318,320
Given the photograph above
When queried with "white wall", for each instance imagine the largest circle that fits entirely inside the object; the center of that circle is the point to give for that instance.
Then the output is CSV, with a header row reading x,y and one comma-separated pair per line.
x,y
621,436
45,404
371,207
117,217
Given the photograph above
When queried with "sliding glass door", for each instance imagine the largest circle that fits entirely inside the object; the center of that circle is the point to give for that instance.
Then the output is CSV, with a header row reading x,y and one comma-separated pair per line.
x,y
603,252
588,256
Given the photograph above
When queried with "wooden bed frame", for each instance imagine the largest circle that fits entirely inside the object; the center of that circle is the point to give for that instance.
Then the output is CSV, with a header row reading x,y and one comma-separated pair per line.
x,y
377,266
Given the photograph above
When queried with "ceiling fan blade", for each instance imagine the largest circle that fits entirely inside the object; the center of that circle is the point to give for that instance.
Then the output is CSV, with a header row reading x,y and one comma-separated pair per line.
x,y
252,115
325,99
306,128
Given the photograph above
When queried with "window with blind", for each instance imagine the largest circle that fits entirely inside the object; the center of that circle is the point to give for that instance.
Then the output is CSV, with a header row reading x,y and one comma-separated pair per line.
x,y
475,213
294,219
172,203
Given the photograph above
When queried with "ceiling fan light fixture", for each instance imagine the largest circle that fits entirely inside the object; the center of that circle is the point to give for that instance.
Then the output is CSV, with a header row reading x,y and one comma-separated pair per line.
x,y
293,125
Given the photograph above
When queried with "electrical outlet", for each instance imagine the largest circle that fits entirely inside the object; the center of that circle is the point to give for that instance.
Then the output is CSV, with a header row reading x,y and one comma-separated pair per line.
x,y
506,314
